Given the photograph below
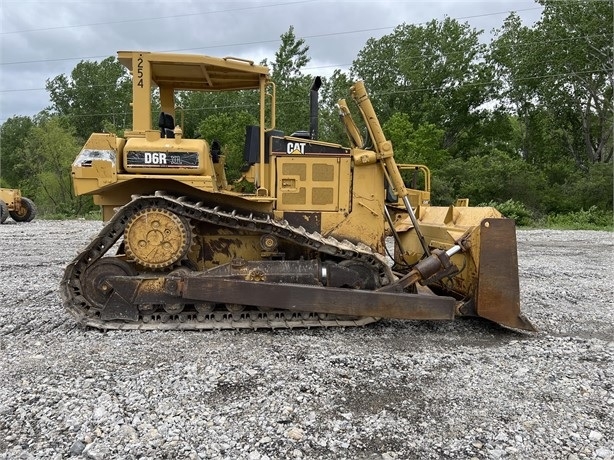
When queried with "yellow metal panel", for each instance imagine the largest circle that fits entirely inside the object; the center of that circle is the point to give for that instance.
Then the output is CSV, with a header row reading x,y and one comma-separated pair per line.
x,y
322,195
295,199
294,169
323,172
141,92
167,101
10,196
312,183
364,220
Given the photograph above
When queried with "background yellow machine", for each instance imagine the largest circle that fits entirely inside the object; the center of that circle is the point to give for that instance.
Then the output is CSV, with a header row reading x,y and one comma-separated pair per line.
x,y
182,250
12,203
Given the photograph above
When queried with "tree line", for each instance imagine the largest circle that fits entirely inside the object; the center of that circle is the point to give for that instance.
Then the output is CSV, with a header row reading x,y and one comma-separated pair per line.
x,y
524,122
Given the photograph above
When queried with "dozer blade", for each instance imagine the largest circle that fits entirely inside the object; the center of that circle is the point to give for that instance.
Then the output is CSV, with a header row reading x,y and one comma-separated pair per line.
x,y
498,293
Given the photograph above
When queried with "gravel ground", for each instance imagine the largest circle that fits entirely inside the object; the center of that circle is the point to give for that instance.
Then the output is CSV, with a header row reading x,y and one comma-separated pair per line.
x,y
391,390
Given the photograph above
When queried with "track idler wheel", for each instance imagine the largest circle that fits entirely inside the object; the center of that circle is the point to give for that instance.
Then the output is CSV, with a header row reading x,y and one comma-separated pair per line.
x,y
156,238
95,290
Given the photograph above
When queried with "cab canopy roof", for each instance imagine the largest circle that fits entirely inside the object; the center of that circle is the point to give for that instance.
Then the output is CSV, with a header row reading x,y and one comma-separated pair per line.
x,y
194,72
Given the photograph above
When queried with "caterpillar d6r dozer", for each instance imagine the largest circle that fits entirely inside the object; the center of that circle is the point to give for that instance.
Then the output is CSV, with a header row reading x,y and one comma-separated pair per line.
x,y
182,249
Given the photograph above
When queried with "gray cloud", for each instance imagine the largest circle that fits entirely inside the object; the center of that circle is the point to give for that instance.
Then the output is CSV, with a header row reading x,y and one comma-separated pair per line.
x,y
40,39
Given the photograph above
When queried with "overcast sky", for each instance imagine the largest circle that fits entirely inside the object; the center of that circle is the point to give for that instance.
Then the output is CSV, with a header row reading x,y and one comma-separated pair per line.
x,y
41,39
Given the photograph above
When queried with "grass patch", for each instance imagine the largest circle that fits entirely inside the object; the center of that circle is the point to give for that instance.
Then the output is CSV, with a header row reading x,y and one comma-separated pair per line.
x,y
590,219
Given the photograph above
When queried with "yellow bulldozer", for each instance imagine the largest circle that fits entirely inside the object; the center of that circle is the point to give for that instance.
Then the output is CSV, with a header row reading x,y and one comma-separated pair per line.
x,y
12,203
330,235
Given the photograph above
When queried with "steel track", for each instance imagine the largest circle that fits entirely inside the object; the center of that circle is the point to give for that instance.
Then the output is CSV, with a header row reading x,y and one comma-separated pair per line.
x,y
89,315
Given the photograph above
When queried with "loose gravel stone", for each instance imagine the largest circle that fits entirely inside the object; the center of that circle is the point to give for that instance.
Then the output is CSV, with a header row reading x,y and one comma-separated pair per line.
x,y
391,390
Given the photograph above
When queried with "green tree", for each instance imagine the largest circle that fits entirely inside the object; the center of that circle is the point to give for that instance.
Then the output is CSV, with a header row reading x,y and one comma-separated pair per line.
x,y
594,188
493,178
571,189
292,94
435,73
582,65
94,95
422,145
197,106
14,134
558,78
229,130
46,162
333,89
290,58
292,85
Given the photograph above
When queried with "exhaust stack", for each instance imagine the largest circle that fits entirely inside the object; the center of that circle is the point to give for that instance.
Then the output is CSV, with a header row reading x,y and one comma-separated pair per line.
x,y
313,108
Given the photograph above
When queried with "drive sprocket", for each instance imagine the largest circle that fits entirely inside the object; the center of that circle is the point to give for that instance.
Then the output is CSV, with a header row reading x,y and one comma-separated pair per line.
x,y
156,238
